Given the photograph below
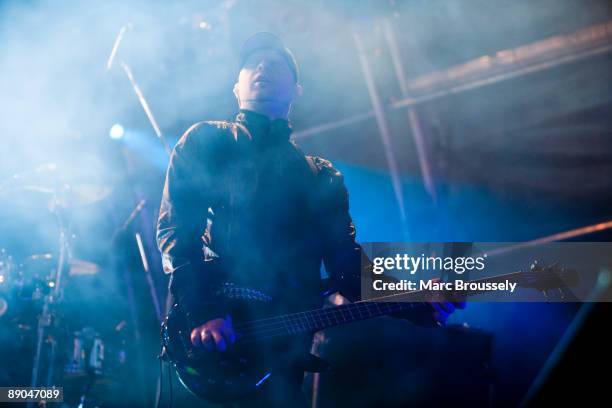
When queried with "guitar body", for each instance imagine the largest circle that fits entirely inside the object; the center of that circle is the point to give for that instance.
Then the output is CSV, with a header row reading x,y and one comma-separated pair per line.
x,y
247,367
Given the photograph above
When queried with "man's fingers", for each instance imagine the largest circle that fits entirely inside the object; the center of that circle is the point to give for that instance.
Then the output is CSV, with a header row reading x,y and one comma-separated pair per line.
x,y
229,334
207,340
212,339
440,315
215,334
228,331
202,338
196,338
459,305
439,318
439,311
443,305
219,340
448,307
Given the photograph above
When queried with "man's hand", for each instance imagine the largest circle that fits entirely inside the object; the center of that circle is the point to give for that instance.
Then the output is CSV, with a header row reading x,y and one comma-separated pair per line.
x,y
215,334
443,308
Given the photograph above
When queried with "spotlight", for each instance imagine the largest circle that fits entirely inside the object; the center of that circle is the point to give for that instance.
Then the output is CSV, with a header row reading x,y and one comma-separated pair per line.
x,y
116,131
204,25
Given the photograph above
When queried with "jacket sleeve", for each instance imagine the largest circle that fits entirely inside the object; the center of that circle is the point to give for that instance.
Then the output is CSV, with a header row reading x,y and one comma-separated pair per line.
x,y
182,218
342,255
344,259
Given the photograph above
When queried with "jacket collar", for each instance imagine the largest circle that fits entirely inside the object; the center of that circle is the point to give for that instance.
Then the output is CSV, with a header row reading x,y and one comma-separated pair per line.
x,y
263,129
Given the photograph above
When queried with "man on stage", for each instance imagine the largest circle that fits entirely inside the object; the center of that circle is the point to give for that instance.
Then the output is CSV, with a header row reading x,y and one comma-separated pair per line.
x,y
243,204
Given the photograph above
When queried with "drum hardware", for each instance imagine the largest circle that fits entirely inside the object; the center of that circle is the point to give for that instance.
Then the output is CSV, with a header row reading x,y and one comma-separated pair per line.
x,y
56,191
6,271
87,354
34,295
3,306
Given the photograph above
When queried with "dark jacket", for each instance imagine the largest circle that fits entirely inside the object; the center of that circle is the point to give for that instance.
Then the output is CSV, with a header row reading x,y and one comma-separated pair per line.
x,y
243,204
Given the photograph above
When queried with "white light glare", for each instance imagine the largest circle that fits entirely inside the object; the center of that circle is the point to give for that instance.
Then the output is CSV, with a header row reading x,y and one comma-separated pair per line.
x,y
116,131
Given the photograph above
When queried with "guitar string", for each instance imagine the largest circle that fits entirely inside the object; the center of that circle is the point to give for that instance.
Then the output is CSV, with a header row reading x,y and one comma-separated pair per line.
x,y
298,317
362,312
295,323
300,322
303,316
361,302
261,334
272,329
358,303
281,331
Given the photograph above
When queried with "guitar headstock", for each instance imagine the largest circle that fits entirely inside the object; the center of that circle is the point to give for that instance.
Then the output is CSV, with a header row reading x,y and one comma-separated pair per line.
x,y
545,278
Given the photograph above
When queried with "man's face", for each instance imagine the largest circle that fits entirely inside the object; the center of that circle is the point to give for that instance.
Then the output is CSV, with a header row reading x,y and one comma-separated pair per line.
x,y
266,77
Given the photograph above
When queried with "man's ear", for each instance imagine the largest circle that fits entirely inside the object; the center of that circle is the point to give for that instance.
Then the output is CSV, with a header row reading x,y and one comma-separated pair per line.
x,y
236,93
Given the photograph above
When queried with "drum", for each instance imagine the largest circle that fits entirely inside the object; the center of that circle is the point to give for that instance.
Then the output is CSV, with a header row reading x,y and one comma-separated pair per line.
x,y
89,355
86,354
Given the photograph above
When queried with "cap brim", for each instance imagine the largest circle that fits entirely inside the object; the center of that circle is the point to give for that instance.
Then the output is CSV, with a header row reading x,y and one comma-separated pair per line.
x,y
268,41
258,41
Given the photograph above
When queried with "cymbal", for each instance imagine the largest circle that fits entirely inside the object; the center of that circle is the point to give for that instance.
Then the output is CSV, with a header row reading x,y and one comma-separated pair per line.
x,y
62,189
80,267
68,195
78,195
76,266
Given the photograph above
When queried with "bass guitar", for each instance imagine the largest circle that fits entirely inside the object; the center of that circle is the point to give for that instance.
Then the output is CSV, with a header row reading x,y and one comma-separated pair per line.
x,y
246,366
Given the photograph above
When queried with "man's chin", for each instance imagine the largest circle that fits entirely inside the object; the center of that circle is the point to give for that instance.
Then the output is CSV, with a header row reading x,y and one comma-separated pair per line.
x,y
265,99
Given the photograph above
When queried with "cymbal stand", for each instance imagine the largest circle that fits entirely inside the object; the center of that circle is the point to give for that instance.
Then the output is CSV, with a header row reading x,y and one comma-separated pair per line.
x,y
46,316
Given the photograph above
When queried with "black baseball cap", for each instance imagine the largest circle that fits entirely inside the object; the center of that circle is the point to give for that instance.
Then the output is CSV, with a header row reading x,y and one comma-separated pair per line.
x,y
268,41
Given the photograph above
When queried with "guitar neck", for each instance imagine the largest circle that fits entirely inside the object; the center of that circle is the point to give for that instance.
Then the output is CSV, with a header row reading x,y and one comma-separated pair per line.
x,y
319,319
314,320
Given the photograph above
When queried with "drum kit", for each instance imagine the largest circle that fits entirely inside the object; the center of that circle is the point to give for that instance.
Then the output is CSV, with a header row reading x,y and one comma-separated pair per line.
x,y
43,344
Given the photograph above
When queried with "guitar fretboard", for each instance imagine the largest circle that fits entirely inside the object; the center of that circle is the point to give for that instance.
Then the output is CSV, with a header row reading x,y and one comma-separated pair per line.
x,y
334,316
315,320
319,319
